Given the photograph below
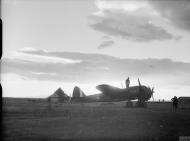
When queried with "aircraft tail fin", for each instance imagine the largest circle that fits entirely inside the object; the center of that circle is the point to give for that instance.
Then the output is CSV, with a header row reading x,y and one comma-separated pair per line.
x,y
77,93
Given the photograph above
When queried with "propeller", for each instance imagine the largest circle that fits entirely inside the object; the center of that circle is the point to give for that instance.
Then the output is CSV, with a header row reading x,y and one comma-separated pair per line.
x,y
152,91
139,82
121,85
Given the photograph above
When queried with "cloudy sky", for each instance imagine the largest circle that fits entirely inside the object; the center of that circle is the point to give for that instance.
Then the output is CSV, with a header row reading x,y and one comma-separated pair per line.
x,y
63,43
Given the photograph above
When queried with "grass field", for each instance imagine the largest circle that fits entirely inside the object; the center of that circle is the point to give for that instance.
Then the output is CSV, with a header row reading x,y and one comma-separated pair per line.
x,y
27,120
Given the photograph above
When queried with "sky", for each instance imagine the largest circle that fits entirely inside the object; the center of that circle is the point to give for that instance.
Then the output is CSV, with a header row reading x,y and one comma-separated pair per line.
x,y
49,44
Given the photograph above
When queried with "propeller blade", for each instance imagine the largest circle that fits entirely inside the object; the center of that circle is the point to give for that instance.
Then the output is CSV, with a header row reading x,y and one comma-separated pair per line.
x,y
152,89
121,85
152,97
152,93
139,82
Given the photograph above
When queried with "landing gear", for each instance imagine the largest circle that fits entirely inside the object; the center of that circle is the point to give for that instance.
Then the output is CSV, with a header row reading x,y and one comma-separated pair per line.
x,y
129,104
138,104
141,104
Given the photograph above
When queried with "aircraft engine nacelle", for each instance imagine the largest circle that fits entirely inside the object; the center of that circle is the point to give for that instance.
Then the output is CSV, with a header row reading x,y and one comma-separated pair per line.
x,y
145,93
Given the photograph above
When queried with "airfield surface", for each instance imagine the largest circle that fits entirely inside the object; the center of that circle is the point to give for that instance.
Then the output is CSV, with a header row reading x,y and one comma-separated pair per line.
x,y
37,120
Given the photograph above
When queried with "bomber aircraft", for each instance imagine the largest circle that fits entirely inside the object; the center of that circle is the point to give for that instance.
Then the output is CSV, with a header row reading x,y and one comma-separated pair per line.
x,y
140,93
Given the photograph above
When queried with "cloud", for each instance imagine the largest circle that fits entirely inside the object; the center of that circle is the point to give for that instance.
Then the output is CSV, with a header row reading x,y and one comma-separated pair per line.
x,y
97,68
30,49
131,20
175,11
106,44
105,37
34,55
121,5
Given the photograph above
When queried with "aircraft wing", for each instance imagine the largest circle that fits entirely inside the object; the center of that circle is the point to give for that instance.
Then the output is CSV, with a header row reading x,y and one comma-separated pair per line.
x,y
118,93
107,89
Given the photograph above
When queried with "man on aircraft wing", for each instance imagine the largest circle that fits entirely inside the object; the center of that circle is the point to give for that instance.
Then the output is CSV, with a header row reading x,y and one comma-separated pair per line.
x,y
127,82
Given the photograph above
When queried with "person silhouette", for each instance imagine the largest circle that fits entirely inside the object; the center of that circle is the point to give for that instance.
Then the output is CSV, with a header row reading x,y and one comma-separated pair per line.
x,y
127,82
175,103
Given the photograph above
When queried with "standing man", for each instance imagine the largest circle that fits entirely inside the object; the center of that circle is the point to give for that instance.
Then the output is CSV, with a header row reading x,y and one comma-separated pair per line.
x,y
175,103
127,82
